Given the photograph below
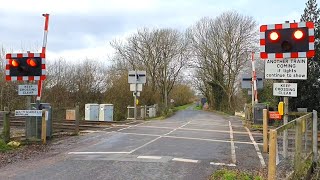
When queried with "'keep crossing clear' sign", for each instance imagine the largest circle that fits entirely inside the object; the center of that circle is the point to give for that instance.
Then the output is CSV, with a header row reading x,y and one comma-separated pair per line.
x,y
28,90
285,89
286,68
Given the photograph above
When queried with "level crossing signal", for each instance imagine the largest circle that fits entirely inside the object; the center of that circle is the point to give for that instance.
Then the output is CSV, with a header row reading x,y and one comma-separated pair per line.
x,y
25,66
288,40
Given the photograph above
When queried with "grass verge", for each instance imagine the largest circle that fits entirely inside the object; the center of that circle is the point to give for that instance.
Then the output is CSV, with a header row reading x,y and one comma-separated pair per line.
x,y
225,174
171,111
183,107
4,147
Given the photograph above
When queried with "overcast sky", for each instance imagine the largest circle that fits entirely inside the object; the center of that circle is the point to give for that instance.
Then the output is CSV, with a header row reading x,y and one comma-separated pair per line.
x,y
84,28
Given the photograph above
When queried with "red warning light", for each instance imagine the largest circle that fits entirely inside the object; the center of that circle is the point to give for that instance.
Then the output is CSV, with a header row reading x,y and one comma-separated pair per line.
x,y
298,34
31,62
274,36
14,63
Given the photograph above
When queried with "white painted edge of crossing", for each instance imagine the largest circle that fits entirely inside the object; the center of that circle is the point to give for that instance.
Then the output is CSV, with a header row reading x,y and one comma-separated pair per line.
x,y
149,157
223,164
263,164
214,124
233,150
209,130
87,153
185,160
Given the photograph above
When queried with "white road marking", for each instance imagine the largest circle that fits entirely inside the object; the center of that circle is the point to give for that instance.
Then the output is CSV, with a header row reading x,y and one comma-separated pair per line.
x,y
202,139
87,153
156,127
185,160
163,122
177,128
129,127
189,138
149,157
157,138
212,124
222,164
257,148
145,144
233,150
141,134
209,130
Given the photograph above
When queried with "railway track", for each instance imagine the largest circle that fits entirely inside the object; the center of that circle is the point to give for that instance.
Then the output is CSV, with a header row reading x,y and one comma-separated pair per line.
x,y
69,125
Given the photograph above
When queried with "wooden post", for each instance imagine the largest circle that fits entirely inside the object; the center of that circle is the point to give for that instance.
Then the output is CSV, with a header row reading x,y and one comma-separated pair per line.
x,y
265,130
44,127
315,136
6,127
77,120
272,167
298,147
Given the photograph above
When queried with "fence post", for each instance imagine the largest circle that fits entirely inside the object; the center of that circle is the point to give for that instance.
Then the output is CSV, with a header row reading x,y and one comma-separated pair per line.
x,y
315,135
265,130
44,127
298,146
77,120
272,155
6,126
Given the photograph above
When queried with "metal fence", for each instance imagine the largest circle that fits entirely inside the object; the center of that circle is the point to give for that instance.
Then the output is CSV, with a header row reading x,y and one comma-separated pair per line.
x,y
143,112
293,147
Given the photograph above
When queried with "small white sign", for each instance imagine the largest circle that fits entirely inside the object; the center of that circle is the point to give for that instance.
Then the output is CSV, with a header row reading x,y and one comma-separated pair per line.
x,y
27,90
285,89
295,68
137,77
28,113
133,87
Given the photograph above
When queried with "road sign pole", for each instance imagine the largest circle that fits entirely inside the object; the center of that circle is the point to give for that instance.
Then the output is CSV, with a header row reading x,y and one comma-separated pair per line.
x,y
29,123
285,121
135,97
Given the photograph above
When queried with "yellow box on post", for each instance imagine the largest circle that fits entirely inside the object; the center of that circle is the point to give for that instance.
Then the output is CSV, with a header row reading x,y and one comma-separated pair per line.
x,y
280,108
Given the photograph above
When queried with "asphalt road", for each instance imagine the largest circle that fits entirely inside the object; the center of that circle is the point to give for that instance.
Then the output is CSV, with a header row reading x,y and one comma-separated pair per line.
x,y
189,145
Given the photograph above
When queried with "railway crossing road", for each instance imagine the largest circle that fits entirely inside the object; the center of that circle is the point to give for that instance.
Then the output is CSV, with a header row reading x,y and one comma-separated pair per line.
x,y
189,145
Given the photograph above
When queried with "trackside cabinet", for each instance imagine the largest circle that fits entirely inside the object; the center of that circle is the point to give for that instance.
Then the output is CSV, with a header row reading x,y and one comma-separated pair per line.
x,y
34,124
106,112
91,112
258,113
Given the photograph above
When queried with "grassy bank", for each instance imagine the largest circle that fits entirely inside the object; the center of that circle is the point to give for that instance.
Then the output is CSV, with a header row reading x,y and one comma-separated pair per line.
x,y
225,174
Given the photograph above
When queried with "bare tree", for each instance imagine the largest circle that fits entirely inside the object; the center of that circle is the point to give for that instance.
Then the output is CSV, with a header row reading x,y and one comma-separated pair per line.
x,y
221,47
163,53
